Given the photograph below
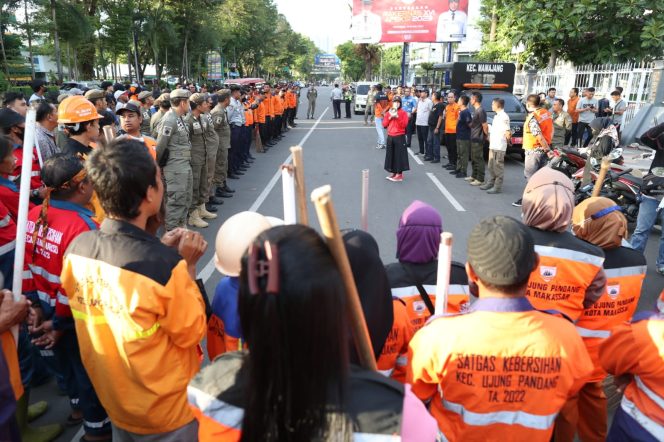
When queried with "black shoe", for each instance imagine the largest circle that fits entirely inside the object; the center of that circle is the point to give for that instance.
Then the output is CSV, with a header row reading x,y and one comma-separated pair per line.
x,y
233,176
450,167
453,172
215,201
250,158
227,189
407,145
238,172
211,208
460,175
428,159
223,194
242,168
435,161
518,202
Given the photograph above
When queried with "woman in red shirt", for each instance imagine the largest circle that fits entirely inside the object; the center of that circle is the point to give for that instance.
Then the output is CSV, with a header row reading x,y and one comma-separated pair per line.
x,y
396,155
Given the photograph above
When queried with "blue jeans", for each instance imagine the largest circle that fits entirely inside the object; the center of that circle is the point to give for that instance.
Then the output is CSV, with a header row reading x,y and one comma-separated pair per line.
x,y
381,131
433,144
648,215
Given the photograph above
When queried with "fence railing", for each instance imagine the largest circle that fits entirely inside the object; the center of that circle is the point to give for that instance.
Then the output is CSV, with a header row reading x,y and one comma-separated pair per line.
x,y
634,78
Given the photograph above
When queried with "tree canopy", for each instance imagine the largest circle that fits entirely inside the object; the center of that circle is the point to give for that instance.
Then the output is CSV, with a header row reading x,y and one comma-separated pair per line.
x,y
93,36
580,31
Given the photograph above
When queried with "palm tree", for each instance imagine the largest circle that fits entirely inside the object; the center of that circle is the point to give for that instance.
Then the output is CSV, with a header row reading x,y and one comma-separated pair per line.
x,y
371,55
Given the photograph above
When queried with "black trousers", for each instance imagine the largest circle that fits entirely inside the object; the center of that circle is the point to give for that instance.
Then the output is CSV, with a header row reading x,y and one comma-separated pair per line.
x,y
571,136
292,116
336,105
422,134
347,108
235,153
410,129
450,142
581,130
277,125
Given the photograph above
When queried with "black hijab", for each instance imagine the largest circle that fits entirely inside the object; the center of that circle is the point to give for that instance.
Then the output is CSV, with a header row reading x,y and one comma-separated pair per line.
x,y
372,286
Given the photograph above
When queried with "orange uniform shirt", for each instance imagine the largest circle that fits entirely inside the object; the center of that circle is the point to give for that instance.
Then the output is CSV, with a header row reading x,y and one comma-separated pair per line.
x,y
393,360
501,372
248,114
259,113
637,349
571,109
451,117
11,356
278,105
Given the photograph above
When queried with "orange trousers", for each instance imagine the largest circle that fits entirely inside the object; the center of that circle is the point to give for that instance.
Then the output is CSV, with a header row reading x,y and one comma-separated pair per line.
x,y
584,413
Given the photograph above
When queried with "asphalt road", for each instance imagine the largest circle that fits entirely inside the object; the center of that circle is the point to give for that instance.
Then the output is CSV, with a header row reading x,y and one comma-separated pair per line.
x,y
335,152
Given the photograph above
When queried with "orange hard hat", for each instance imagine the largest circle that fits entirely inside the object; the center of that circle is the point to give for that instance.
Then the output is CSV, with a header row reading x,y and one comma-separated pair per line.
x,y
76,109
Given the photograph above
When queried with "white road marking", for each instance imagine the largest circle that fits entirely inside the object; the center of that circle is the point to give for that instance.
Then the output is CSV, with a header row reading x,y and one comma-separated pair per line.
x,y
446,193
207,271
415,157
336,128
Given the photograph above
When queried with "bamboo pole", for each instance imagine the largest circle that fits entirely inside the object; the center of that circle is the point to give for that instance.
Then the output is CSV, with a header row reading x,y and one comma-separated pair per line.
x,y
300,189
288,188
327,218
604,168
365,200
444,269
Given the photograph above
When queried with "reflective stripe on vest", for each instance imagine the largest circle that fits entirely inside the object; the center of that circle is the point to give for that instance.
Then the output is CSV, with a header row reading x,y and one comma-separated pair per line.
x,y
37,270
648,392
46,298
226,414
402,361
587,333
528,420
101,319
386,373
625,271
660,303
7,247
571,255
646,423
4,222
411,290
62,299
231,416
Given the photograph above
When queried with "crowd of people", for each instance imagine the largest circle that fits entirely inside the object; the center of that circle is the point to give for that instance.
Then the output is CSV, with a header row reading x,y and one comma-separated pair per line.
x,y
200,140
111,306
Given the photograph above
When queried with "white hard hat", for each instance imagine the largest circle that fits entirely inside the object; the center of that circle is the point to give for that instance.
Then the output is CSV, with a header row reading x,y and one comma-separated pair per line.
x,y
233,239
274,221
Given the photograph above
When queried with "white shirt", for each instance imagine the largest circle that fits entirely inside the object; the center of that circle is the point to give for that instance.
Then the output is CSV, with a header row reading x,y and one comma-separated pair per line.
x,y
336,94
451,26
235,112
35,97
423,110
500,125
119,105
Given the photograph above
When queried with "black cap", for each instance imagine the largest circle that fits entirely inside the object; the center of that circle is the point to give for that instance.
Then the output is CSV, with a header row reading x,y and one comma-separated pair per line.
x,y
129,107
10,118
501,251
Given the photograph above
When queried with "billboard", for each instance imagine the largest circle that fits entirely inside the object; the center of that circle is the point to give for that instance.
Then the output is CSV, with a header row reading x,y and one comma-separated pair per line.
x,y
214,71
397,21
326,64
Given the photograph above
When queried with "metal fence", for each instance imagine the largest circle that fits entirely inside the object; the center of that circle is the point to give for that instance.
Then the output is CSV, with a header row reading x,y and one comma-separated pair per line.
x,y
634,78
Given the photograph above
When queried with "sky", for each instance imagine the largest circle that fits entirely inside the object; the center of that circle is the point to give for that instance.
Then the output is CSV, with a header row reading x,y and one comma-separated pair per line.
x,y
326,22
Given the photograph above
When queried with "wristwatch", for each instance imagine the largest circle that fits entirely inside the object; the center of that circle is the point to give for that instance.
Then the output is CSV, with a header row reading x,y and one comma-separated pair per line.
x,y
34,193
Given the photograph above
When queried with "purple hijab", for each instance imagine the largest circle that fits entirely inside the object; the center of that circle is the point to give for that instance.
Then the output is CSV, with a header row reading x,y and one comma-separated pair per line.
x,y
418,235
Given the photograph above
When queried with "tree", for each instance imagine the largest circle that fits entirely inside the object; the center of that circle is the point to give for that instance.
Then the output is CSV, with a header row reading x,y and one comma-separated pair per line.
x,y
352,64
580,31
370,55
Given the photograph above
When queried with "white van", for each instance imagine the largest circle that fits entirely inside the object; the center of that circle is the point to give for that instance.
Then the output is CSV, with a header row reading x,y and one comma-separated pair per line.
x,y
362,89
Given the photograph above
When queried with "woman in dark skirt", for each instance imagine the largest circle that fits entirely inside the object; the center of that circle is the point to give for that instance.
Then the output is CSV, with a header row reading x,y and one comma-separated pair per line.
x,y
396,155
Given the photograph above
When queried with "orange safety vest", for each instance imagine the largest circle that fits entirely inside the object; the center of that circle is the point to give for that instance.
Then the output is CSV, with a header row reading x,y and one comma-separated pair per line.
x,y
248,114
277,104
269,107
151,145
259,113
543,117
458,300
501,372
563,275
393,359
11,356
616,306
637,349
452,112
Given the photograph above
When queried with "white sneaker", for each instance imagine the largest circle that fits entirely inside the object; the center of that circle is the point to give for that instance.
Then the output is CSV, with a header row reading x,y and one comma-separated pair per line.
x,y
469,178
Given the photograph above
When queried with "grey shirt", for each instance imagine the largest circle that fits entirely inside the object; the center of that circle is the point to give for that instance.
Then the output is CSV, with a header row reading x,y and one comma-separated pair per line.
x,y
336,94
619,106
586,117
46,142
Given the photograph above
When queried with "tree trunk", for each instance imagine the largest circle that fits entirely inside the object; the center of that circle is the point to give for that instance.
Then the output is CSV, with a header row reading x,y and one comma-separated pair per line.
x,y
494,24
138,72
56,43
553,57
76,70
27,28
4,54
69,70
131,78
